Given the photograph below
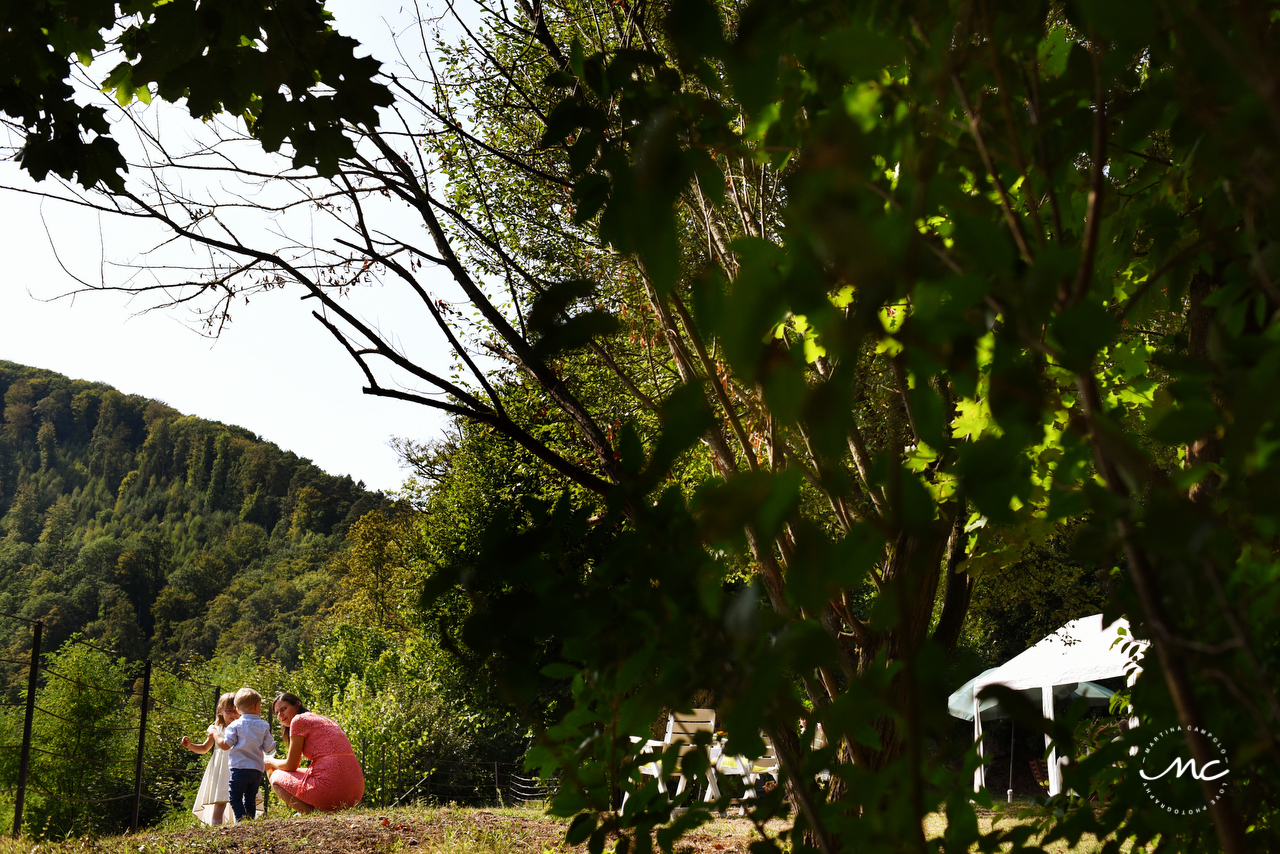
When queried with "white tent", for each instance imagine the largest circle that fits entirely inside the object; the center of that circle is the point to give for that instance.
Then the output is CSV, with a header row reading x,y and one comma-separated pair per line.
x,y
1080,652
960,703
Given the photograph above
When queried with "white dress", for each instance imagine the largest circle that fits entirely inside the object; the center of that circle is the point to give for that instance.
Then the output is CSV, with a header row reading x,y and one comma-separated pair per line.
x,y
215,786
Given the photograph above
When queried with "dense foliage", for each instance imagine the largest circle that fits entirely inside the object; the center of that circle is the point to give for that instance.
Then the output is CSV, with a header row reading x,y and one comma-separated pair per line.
x,y
1051,226
260,61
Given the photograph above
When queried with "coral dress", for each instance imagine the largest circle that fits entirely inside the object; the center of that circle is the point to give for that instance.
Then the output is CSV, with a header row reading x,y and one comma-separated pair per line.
x,y
334,781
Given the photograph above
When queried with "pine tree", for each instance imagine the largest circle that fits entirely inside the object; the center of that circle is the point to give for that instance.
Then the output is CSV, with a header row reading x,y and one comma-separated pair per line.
x,y
47,441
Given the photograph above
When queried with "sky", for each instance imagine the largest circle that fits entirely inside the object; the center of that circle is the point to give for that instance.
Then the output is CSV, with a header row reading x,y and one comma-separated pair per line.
x,y
274,371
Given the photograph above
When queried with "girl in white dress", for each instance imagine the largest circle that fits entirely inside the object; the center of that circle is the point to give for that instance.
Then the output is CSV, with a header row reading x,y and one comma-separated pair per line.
x,y
211,800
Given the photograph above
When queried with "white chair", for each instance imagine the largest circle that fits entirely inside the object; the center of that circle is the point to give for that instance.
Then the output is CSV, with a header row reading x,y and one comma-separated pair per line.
x,y
750,770
768,763
819,742
682,727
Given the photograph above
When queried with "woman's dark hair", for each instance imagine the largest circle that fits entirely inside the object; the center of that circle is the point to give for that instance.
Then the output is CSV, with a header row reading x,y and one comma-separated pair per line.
x,y
292,700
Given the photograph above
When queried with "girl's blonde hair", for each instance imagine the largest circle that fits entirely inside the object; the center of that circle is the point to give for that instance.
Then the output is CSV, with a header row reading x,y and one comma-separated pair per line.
x,y
227,699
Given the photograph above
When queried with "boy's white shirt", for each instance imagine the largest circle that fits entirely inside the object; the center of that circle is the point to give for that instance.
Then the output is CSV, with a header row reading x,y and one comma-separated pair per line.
x,y
249,741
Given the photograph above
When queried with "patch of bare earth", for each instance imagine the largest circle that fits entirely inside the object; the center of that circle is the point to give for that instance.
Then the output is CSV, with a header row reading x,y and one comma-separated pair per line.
x,y
372,832
436,830
725,836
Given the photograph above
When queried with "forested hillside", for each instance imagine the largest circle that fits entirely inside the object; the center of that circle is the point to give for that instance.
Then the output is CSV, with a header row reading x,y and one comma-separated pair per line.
x,y
157,532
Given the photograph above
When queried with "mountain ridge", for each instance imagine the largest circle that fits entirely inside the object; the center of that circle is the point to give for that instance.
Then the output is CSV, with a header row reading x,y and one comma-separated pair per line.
x,y
163,533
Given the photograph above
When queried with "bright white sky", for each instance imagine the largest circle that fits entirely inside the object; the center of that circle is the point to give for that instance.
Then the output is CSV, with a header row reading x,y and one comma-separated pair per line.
x,y
275,371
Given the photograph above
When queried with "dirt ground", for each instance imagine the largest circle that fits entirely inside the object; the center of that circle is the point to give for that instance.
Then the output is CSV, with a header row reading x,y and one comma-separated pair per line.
x,y
451,831
441,830
368,832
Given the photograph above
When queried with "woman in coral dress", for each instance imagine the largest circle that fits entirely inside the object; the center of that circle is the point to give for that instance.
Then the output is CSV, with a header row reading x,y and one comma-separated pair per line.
x,y
333,781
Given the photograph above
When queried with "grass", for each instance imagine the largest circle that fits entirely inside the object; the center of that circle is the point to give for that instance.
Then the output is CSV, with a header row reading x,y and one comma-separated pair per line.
x,y
426,830
1005,816
429,830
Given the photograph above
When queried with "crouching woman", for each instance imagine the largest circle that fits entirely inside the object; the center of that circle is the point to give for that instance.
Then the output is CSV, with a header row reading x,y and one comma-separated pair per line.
x,y
333,781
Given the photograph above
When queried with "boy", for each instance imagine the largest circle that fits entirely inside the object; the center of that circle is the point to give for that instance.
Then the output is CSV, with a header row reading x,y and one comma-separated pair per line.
x,y
247,738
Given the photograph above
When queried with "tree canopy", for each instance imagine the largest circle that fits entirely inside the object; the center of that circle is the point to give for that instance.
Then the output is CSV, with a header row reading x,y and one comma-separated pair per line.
x,y
280,66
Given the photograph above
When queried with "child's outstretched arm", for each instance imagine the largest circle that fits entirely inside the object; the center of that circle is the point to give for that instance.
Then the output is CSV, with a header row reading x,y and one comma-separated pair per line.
x,y
290,762
219,741
199,748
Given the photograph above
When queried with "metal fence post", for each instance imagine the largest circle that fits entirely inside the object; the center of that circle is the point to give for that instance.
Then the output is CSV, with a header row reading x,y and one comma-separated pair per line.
x,y
266,777
142,742
382,777
25,763
497,787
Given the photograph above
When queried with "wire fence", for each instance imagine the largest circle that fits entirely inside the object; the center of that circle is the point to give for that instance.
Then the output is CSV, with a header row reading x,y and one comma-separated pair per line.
x,y
78,736
466,783
89,743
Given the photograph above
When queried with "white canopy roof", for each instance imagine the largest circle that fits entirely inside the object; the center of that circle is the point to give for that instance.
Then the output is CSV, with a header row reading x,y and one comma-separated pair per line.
x,y
1081,651
1063,664
960,703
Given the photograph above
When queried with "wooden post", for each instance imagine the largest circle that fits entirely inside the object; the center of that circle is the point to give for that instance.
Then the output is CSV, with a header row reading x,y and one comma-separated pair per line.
x,y
142,742
25,763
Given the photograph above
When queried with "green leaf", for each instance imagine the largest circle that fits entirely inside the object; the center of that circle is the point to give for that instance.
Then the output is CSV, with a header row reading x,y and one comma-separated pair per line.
x,y
985,245
684,417
560,670
1053,50
973,419
567,116
1131,357
559,80
695,30
1186,423
758,498
1131,25
555,330
994,472
580,828
1082,331
861,52
753,306
590,194
929,412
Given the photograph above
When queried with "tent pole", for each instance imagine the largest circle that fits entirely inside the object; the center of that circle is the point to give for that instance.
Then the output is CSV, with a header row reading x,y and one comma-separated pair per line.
x,y
1013,732
1055,773
979,779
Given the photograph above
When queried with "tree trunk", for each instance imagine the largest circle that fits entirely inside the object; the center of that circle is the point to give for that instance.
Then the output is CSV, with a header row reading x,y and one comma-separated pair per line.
x,y
959,588
1199,322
